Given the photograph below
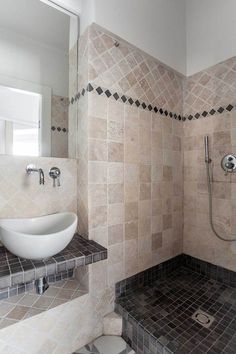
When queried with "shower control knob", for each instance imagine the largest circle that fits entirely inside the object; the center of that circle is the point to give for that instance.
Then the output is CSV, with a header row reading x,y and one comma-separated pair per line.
x,y
228,163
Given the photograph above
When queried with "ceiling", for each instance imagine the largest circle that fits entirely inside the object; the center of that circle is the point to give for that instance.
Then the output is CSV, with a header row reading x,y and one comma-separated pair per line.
x,y
36,20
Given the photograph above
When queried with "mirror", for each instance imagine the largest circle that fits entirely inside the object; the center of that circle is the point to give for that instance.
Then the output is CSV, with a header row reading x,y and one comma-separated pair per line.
x,y
38,76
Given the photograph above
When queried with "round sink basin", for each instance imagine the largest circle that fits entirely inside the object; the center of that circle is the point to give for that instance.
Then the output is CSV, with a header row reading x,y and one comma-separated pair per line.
x,y
40,237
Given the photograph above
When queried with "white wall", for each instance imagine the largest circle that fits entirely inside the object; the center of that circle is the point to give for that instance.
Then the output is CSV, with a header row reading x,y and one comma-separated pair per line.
x,y
71,5
211,33
155,26
32,61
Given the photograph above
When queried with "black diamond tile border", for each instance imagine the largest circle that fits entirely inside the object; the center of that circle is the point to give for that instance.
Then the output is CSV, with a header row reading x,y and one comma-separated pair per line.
x,y
211,112
80,252
101,91
147,106
156,307
59,129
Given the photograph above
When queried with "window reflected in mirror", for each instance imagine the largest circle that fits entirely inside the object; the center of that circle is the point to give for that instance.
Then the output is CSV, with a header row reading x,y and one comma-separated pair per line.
x,y
38,78
20,118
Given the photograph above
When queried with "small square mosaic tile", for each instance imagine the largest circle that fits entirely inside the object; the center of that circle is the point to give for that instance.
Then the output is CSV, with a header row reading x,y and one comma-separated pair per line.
x,y
157,317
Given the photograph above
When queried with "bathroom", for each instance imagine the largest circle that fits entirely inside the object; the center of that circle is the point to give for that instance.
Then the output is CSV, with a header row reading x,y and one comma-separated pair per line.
x,y
118,153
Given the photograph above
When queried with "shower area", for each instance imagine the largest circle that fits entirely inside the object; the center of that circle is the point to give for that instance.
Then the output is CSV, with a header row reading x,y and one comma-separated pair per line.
x,y
188,304
157,187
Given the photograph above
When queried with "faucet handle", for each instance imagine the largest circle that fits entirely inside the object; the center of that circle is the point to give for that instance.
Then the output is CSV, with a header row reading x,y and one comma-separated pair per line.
x,y
55,173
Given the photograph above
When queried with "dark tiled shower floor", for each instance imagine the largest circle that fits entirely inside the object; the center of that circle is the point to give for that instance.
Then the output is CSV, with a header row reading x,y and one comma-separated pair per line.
x,y
164,309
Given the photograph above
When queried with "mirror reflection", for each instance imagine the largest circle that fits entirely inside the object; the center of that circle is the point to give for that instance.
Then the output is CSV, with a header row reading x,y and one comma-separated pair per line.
x,y
38,48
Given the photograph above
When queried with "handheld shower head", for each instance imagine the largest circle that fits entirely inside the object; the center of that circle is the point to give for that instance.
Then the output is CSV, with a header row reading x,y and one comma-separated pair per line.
x,y
206,144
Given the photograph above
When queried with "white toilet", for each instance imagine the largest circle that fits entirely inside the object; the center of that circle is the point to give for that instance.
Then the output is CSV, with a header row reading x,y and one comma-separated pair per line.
x,y
106,345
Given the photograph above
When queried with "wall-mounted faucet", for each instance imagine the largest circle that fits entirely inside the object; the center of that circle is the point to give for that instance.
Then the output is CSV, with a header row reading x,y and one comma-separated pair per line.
x,y
33,169
55,173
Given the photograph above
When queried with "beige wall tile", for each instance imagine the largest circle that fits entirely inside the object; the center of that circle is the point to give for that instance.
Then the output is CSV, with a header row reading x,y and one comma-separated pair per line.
x,y
115,152
131,257
97,194
115,111
144,227
97,150
97,172
116,131
156,241
131,192
144,208
131,173
145,191
131,230
115,234
97,128
115,193
115,214
97,216
131,211
156,224
145,173
156,207
115,172
115,273
167,221
115,254
222,138
167,173
98,106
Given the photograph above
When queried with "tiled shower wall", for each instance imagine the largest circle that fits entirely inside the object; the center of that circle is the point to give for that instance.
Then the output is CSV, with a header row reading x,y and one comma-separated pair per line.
x,y
210,96
131,201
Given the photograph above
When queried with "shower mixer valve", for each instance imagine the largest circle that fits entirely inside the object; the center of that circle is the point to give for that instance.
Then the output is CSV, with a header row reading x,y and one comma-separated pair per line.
x,y
55,174
228,163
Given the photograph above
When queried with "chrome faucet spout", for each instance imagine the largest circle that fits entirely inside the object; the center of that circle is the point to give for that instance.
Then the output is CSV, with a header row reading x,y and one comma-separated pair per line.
x,y
33,169
41,176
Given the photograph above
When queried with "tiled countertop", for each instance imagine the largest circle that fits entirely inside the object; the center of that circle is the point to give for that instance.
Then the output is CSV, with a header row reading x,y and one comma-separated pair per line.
x,y
79,252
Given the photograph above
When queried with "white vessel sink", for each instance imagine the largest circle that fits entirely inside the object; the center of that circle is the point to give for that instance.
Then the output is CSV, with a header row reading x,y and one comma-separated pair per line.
x,y
38,238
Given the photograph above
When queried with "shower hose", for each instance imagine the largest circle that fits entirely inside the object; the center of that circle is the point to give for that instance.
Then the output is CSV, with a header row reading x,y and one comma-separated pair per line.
x,y
209,183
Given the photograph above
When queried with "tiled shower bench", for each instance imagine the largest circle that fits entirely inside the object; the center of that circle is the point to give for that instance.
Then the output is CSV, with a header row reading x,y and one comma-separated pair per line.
x,y
182,306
